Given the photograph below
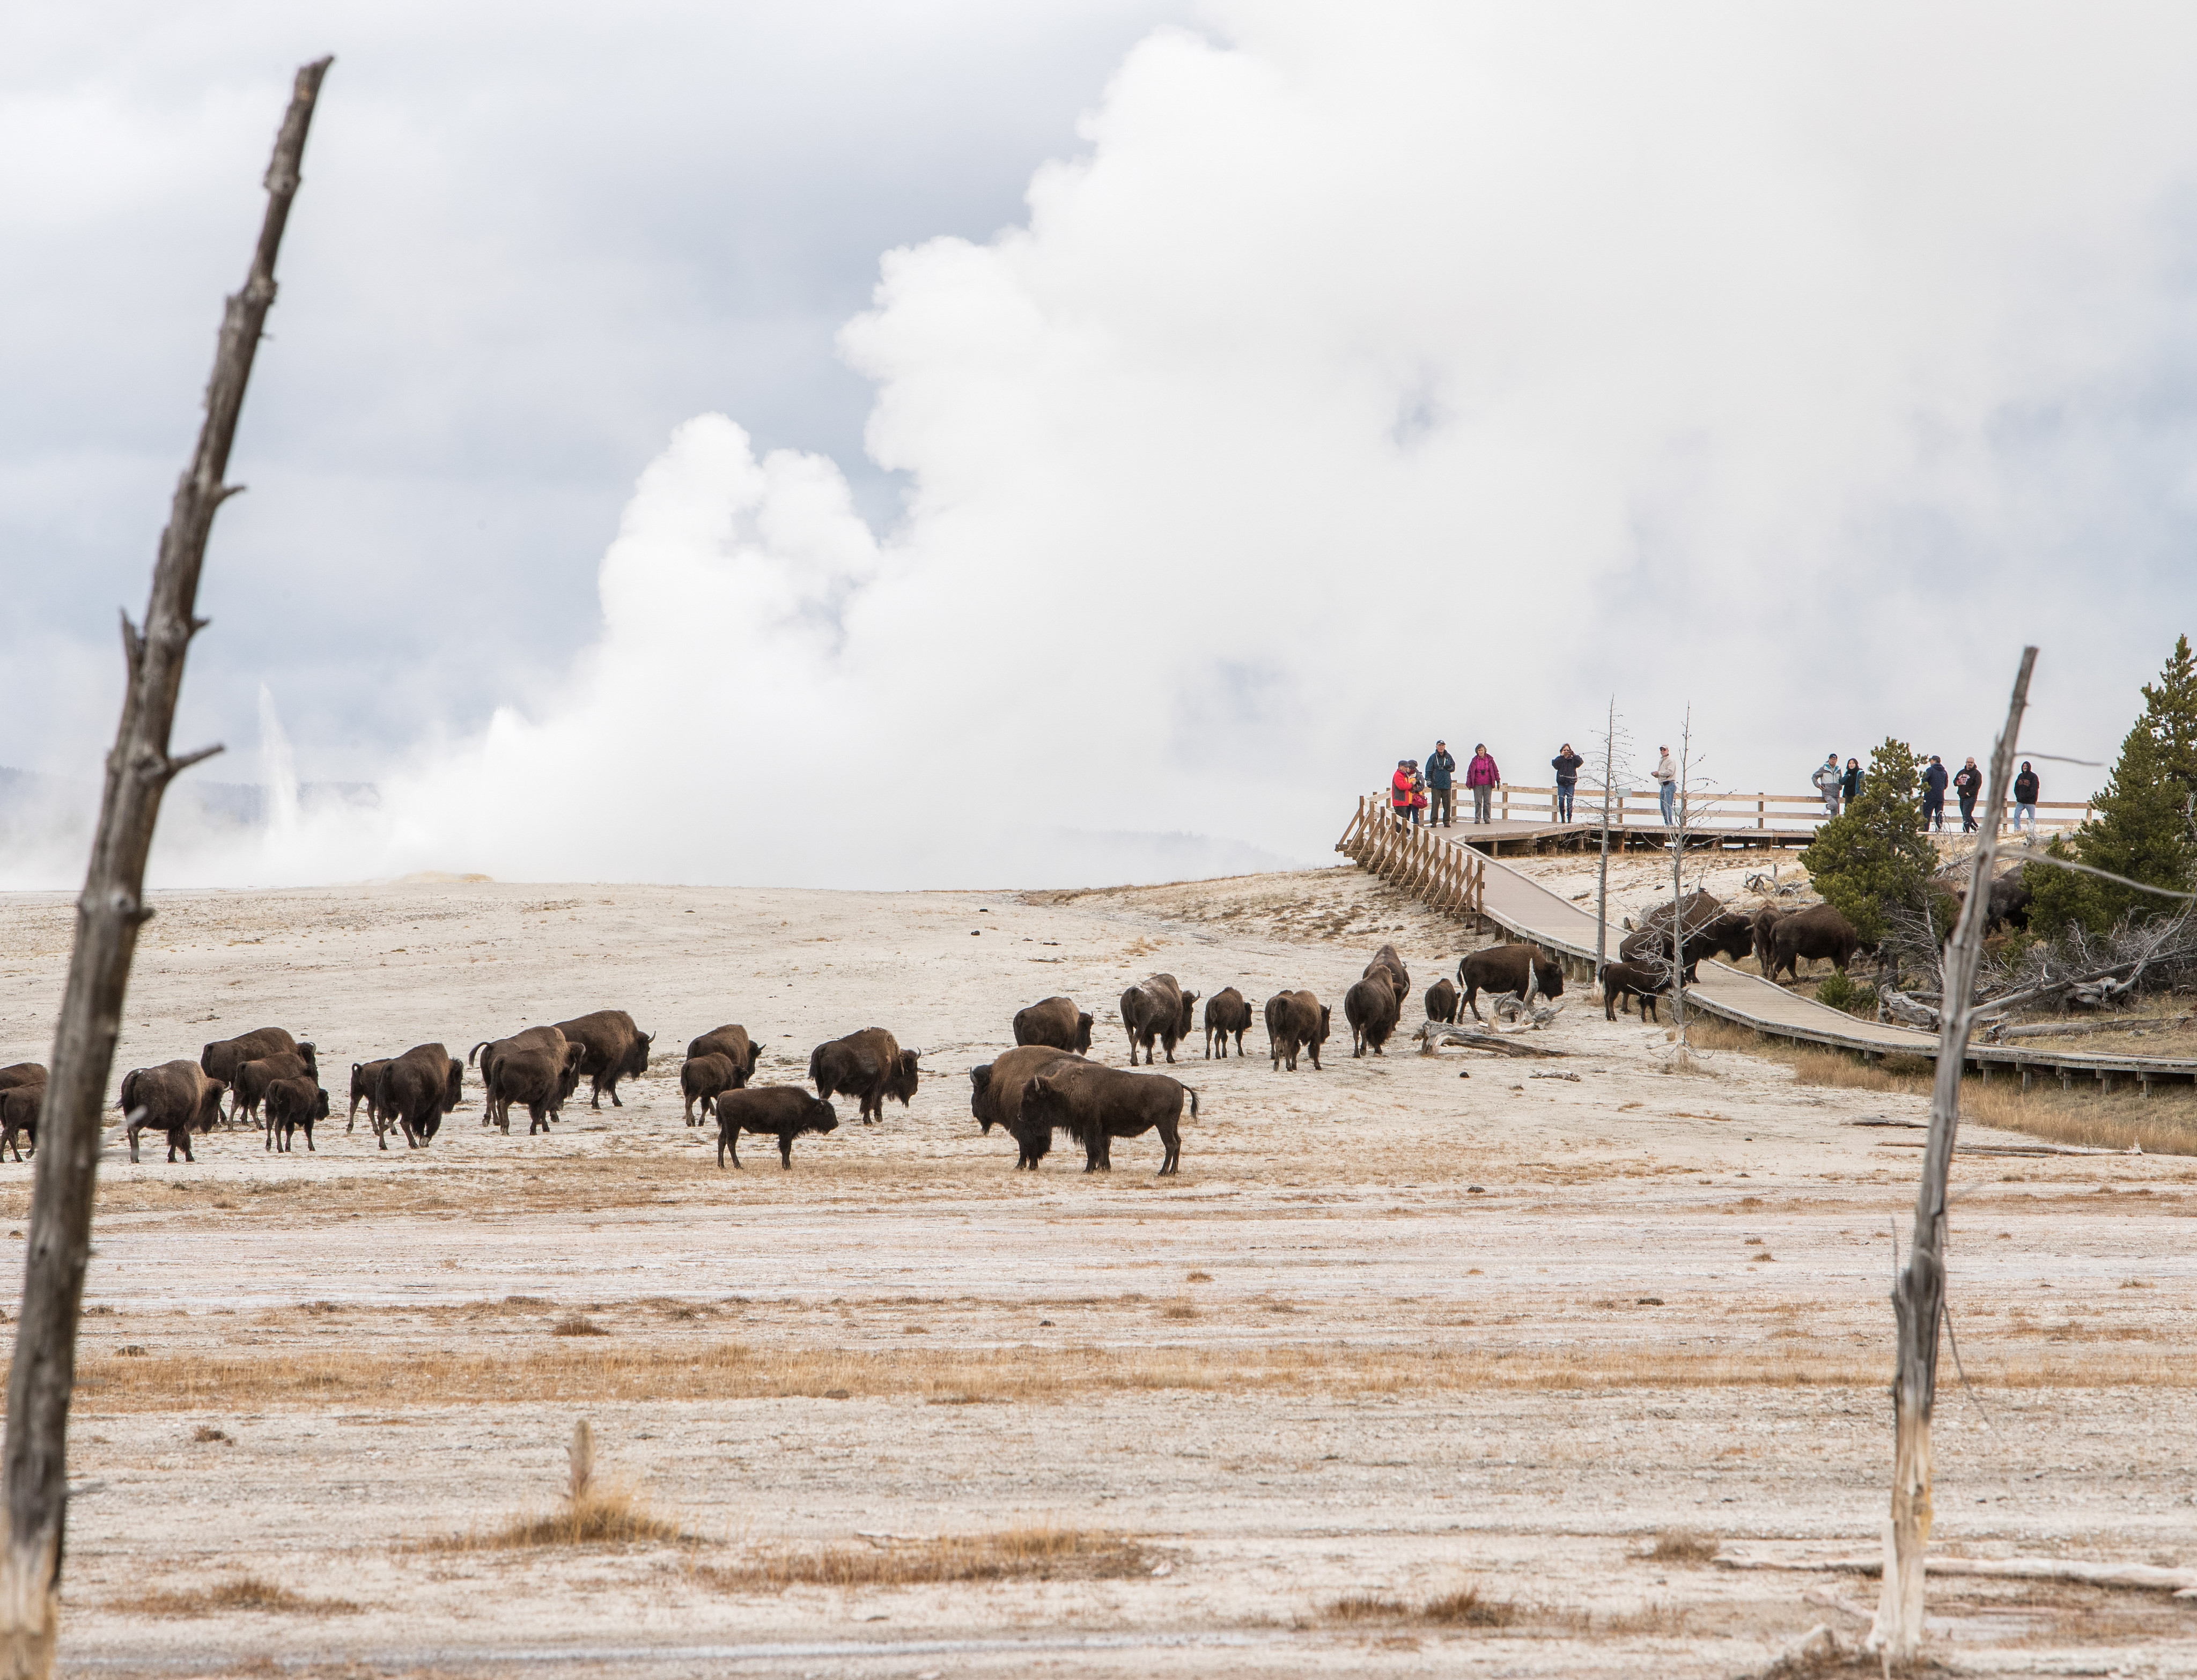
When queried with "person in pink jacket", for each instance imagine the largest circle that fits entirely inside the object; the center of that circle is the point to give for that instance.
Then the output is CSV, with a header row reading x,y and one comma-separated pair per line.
x,y
1483,778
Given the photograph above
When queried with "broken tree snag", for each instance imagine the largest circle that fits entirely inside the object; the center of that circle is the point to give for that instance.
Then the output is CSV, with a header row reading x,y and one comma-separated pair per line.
x,y
1918,1299
33,1509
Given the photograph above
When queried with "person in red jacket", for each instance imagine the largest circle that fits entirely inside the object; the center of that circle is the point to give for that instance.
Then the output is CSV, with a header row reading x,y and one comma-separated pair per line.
x,y
1399,791
1483,778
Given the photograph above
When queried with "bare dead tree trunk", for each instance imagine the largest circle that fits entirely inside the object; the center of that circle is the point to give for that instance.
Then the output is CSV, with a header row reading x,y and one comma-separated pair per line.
x,y
1602,869
1918,1300
33,1521
1678,885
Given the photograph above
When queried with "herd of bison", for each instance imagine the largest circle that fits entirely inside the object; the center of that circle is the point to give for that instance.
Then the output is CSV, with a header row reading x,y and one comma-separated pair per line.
x,y
1043,1086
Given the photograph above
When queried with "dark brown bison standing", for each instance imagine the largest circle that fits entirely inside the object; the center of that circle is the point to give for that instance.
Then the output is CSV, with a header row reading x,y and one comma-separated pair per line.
x,y
362,1076
1507,968
176,1097
995,1096
781,1111
1096,1104
224,1057
1056,1021
1645,981
1819,931
732,1042
1400,977
416,1090
616,1049
566,1053
19,1117
1295,1021
1765,929
1372,1009
253,1078
1157,1009
1227,1012
293,1104
869,1066
1442,1002
701,1078
23,1073
534,1075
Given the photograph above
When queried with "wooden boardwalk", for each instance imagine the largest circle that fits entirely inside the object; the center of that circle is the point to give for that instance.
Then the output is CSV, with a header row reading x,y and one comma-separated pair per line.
x,y
1479,885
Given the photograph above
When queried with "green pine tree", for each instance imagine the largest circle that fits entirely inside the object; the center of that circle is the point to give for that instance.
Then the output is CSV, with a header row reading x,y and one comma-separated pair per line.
x,y
1874,853
2144,827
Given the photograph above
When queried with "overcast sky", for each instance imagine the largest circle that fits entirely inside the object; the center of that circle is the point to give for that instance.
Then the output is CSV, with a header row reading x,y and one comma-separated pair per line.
x,y
888,445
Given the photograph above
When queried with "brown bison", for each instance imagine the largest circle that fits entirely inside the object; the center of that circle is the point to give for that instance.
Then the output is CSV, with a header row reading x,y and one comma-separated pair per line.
x,y
567,1053
782,1111
1372,1009
363,1077
995,1096
1507,968
1766,928
1816,932
1227,1012
416,1090
224,1057
1056,1021
1400,977
535,1076
1096,1104
1157,1008
732,1042
702,1077
1294,1021
869,1066
1645,981
23,1073
292,1104
177,1097
615,1049
253,1077
19,1117
1442,1002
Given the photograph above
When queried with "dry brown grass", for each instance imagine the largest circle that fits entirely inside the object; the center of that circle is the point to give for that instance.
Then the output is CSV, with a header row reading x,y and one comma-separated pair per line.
x,y
576,1323
566,1370
1681,1545
241,1592
610,1517
1034,1553
2164,1123
1463,1606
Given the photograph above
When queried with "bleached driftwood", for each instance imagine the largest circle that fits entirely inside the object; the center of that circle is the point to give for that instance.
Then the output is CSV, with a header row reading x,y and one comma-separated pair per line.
x,y
2142,1577
1998,1032
1433,1034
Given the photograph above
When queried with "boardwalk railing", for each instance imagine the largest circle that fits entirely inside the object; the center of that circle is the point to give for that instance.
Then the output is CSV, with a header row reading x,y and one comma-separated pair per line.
x,y
1714,812
1413,858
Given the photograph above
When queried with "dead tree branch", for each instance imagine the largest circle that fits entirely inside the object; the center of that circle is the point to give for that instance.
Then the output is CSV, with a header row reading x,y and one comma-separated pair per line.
x,y
33,1521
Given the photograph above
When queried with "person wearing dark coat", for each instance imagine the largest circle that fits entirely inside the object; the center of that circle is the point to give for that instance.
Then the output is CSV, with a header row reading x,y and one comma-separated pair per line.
x,y
1968,782
1849,783
1933,794
2026,789
1441,770
1566,764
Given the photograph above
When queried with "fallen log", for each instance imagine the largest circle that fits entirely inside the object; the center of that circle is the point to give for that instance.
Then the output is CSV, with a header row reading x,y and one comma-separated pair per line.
x,y
1434,1035
2060,1028
2142,1577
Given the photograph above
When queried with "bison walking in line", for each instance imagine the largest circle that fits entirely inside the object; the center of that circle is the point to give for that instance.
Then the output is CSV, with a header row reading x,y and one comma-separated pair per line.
x,y
253,1078
1056,1021
532,1074
224,1057
1227,1012
1765,929
869,1066
293,1104
1819,931
1645,981
566,1053
732,1042
612,1049
1295,1021
1156,1008
176,1097
996,1096
703,1078
782,1111
1400,977
1442,1003
363,1077
1507,968
1094,1105
19,1117
416,1090
23,1073
1371,1008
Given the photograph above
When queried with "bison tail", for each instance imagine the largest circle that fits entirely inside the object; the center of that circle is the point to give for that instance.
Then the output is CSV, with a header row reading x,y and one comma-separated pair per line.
x,y
1193,1102
476,1051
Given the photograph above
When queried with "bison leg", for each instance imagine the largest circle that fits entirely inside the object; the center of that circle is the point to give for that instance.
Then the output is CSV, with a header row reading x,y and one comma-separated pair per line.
x,y
786,1150
309,1149
1171,1135
729,1138
1648,1008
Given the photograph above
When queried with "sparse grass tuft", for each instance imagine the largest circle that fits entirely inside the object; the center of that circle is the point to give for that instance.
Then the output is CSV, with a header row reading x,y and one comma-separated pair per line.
x,y
241,1592
1681,1545
576,1323
207,1432
1180,1307
1010,1554
594,1514
1464,1606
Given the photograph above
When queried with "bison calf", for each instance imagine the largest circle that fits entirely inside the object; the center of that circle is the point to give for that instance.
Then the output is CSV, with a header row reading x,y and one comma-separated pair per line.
x,y
701,1078
1645,981
1295,1021
293,1104
1442,1003
1227,1012
1057,1022
782,1111
19,1117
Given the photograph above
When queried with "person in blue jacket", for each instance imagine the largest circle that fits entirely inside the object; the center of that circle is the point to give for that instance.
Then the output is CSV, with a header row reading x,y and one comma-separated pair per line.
x,y
1933,794
1442,769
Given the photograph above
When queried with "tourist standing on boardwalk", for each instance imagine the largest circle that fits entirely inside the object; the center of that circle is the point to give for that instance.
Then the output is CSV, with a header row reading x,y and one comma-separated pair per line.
x,y
1419,796
2026,789
1666,787
1483,778
1849,783
1827,782
1933,794
1399,790
1441,771
1566,764
1968,782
